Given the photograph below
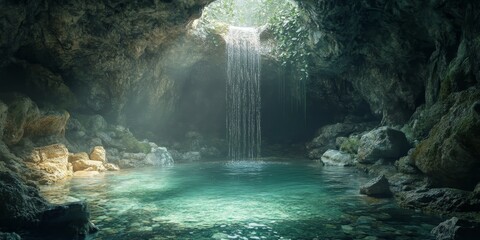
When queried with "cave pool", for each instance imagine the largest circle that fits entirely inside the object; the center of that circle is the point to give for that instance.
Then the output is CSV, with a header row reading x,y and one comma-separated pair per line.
x,y
270,199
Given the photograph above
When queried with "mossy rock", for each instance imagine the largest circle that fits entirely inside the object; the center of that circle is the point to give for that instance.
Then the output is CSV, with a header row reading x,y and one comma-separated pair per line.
x,y
450,155
350,145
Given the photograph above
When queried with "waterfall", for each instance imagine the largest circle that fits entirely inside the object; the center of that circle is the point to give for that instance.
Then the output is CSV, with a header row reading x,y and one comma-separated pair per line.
x,y
243,93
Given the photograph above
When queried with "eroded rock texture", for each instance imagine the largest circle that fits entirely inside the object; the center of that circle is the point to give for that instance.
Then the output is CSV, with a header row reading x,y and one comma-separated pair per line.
x,y
99,53
451,153
397,54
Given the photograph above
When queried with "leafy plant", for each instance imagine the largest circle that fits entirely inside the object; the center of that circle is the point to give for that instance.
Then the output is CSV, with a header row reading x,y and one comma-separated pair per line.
x,y
290,29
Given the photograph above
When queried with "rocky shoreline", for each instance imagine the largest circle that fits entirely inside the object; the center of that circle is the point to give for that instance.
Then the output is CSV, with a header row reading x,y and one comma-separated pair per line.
x,y
429,164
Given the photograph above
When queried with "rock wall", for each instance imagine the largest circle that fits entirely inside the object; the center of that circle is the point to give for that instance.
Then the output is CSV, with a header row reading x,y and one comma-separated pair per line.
x,y
97,53
396,54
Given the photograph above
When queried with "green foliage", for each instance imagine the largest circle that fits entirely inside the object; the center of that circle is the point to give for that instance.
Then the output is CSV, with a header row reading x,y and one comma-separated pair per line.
x,y
288,24
290,29
350,145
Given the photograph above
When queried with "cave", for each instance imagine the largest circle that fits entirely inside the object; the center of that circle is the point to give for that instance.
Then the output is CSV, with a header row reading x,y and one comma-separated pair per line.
x,y
239,119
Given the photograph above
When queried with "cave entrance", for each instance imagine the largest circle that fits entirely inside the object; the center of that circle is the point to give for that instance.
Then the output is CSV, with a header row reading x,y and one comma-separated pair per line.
x,y
284,34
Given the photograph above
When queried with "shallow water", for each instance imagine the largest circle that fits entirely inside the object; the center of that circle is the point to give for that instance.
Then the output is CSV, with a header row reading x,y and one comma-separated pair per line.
x,y
240,200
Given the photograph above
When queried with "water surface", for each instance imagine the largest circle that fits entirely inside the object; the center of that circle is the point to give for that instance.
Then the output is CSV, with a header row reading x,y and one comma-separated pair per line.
x,y
240,200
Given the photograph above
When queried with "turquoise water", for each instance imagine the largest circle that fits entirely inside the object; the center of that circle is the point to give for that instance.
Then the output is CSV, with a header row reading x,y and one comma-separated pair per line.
x,y
240,200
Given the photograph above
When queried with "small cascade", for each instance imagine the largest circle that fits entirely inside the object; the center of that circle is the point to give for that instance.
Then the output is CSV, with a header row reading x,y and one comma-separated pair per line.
x,y
243,93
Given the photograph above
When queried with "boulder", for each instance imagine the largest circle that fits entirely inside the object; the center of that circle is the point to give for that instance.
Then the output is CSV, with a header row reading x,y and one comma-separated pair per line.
x,y
22,208
111,167
73,157
327,135
337,158
98,154
52,162
159,156
377,187
456,229
450,156
382,143
71,219
88,165
20,204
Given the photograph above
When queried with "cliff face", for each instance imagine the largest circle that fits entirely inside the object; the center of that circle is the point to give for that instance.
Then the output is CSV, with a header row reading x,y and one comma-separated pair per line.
x,y
102,51
397,54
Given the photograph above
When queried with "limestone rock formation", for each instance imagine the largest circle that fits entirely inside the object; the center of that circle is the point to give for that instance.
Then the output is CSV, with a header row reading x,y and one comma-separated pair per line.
x,y
98,154
451,154
337,158
377,187
52,162
88,165
73,157
382,143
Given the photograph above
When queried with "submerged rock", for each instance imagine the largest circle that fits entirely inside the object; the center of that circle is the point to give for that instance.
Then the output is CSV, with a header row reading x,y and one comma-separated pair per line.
x,y
382,143
337,158
456,229
377,187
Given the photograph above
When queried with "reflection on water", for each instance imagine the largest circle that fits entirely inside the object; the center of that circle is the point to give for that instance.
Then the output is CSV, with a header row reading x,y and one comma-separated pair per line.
x,y
240,200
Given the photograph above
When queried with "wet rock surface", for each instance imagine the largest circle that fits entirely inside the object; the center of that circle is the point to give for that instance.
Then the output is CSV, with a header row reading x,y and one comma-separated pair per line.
x,y
382,143
456,229
22,208
377,187
327,135
450,156
337,158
